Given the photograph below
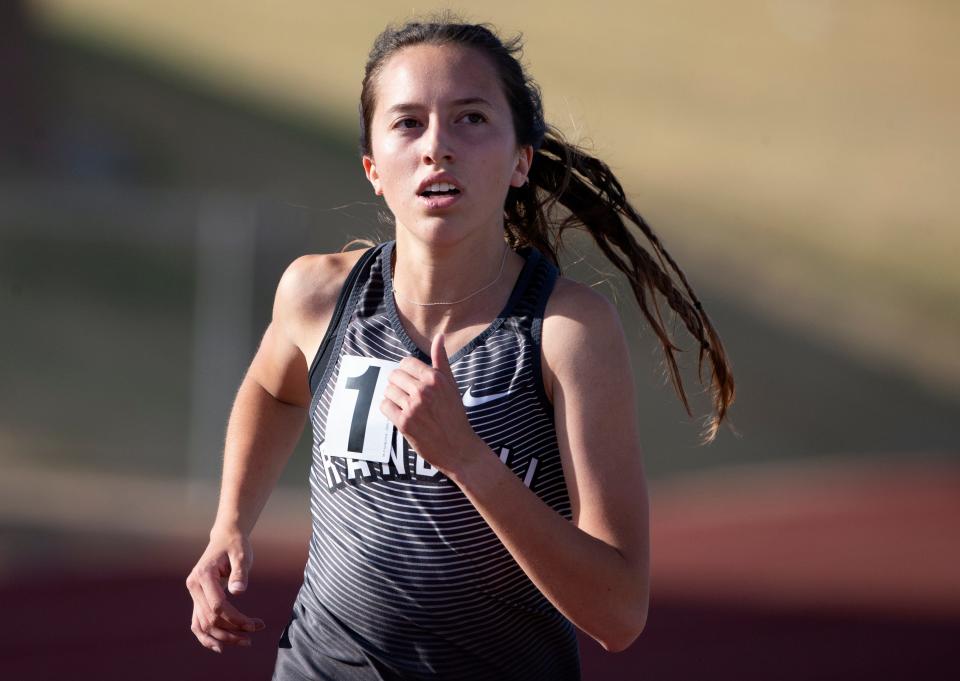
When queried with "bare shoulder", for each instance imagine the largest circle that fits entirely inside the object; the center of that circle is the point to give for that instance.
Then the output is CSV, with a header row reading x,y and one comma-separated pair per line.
x,y
308,290
579,322
302,309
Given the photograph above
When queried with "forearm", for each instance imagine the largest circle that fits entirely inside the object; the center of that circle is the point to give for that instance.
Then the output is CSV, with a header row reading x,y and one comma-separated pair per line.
x,y
587,580
261,434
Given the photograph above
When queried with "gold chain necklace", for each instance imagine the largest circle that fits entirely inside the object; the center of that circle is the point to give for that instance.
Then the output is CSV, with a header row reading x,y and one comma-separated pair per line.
x,y
454,302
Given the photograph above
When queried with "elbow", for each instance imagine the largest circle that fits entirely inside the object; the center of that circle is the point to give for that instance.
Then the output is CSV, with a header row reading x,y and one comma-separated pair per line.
x,y
635,622
629,612
622,642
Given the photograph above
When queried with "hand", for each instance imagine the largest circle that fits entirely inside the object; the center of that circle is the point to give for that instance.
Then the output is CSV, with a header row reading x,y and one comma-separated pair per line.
x,y
216,622
424,403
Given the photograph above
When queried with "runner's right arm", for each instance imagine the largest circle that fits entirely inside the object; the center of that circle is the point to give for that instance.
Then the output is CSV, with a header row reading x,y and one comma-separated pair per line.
x,y
266,421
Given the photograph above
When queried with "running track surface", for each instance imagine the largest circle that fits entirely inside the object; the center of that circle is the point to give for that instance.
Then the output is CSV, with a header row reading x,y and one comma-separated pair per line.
x,y
845,572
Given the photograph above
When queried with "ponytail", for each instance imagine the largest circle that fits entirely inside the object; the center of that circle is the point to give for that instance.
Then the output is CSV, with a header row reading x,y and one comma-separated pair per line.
x,y
564,173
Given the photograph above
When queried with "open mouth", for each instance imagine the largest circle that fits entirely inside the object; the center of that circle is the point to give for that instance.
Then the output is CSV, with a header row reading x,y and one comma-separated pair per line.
x,y
447,192
440,199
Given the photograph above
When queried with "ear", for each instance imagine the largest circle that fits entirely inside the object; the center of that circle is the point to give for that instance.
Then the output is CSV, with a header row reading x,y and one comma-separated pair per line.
x,y
522,169
370,170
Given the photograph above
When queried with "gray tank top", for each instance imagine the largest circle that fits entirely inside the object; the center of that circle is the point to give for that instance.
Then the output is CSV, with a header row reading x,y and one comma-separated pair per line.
x,y
402,568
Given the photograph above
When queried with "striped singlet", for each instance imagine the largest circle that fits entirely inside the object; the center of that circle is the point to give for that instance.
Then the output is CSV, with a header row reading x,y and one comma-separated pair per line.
x,y
404,578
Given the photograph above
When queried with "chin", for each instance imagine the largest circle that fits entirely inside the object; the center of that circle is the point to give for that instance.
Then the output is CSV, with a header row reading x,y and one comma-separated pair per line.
x,y
437,231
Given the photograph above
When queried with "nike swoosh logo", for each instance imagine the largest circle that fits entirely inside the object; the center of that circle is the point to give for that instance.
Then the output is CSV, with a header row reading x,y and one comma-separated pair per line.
x,y
471,400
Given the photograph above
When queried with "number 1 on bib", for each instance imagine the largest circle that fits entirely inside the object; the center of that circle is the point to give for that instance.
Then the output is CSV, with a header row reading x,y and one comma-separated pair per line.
x,y
356,428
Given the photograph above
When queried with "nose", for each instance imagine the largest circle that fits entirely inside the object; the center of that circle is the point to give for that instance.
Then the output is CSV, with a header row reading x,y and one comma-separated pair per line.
x,y
437,144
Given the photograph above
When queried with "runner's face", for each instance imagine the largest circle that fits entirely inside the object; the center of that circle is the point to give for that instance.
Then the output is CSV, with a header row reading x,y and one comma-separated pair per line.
x,y
421,126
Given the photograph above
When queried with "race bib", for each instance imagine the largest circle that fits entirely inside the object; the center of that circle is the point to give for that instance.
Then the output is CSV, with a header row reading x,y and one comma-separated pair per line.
x,y
356,428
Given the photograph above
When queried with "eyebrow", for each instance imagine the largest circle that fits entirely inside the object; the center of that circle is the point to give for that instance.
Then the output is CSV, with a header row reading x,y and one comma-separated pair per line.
x,y
410,106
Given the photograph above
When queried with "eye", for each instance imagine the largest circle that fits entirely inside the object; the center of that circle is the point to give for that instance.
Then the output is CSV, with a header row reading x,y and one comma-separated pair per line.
x,y
400,123
477,113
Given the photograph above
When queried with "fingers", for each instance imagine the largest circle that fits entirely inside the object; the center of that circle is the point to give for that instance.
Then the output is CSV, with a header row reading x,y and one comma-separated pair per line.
x,y
438,355
230,639
214,598
414,367
394,414
397,396
214,604
403,381
409,391
202,611
205,639
215,629
215,637
237,581
216,622
219,632
214,616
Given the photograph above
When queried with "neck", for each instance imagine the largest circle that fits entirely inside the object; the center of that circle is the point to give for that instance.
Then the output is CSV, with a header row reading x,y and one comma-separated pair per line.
x,y
428,273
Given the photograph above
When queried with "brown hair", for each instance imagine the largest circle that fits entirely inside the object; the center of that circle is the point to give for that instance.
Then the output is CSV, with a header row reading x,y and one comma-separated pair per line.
x,y
565,174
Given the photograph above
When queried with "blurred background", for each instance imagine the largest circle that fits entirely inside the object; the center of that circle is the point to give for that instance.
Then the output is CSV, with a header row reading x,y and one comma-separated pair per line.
x,y
162,163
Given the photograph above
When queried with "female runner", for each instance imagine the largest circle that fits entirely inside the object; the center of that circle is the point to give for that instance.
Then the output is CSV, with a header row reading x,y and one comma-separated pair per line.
x,y
477,486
